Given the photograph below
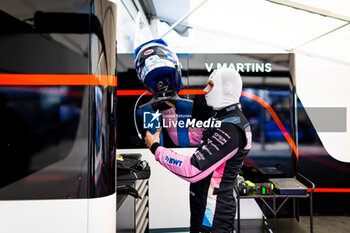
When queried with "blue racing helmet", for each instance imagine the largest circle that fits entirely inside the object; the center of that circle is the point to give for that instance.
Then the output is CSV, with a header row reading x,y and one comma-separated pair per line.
x,y
157,66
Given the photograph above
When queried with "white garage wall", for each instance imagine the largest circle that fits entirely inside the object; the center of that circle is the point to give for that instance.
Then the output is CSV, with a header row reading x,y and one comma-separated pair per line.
x,y
323,83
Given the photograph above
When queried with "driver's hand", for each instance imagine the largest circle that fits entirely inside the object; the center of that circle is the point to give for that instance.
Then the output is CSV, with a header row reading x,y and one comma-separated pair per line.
x,y
152,138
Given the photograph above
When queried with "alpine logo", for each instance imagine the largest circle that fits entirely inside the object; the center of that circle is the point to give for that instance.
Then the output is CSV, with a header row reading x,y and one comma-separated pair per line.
x,y
149,51
173,161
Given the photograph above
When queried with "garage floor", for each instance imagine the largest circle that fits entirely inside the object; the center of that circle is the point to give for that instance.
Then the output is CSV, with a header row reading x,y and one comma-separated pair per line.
x,y
327,224
322,224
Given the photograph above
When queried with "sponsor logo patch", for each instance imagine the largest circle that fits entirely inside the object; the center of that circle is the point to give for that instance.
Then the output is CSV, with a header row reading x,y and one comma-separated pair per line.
x,y
173,161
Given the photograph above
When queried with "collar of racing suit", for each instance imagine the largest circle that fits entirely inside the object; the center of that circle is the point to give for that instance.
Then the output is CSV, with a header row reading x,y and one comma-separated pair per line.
x,y
226,111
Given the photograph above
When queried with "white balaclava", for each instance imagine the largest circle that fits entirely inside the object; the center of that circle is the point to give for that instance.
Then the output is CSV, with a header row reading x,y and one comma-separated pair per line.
x,y
227,88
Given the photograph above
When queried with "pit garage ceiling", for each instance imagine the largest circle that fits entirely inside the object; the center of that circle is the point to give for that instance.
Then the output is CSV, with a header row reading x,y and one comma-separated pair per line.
x,y
319,28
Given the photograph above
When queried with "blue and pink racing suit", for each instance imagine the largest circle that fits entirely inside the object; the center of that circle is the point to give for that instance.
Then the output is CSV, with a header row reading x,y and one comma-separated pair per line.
x,y
212,169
